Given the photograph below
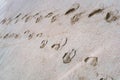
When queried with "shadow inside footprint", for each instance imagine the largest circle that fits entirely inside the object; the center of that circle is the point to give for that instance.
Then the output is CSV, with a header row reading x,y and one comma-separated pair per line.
x,y
54,18
110,17
36,14
38,19
49,15
43,43
68,56
95,12
74,8
39,35
55,46
24,16
4,21
91,60
28,18
76,18
18,15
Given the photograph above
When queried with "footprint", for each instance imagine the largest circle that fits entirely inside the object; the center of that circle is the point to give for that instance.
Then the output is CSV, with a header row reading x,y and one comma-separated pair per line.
x,y
55,46
39,35
110,17
91,60
76,18
12,35
54,18
16,21
49,15
95,12
4,21
59,45
64,42
8,21
27,31
18,15
6,36
74,8
30,36
68,56
43,43
104,77
16,36
24,16
36,14
38,19
28,18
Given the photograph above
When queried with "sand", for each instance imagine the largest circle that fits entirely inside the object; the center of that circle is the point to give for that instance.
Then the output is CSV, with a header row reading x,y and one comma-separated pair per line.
x,y
59,40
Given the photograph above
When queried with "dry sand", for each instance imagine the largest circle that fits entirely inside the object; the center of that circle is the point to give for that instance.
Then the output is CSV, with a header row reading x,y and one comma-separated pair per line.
x,y
59,40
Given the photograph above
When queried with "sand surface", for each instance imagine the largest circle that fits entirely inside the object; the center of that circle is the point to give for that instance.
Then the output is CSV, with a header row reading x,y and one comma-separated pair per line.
x,y
59,39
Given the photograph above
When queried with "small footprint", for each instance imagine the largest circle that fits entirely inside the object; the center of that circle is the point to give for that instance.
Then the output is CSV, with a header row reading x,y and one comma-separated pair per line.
x,y
49,15
74,8
54,18
38,19
68,56
91,60
43,43
110,17
95,12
